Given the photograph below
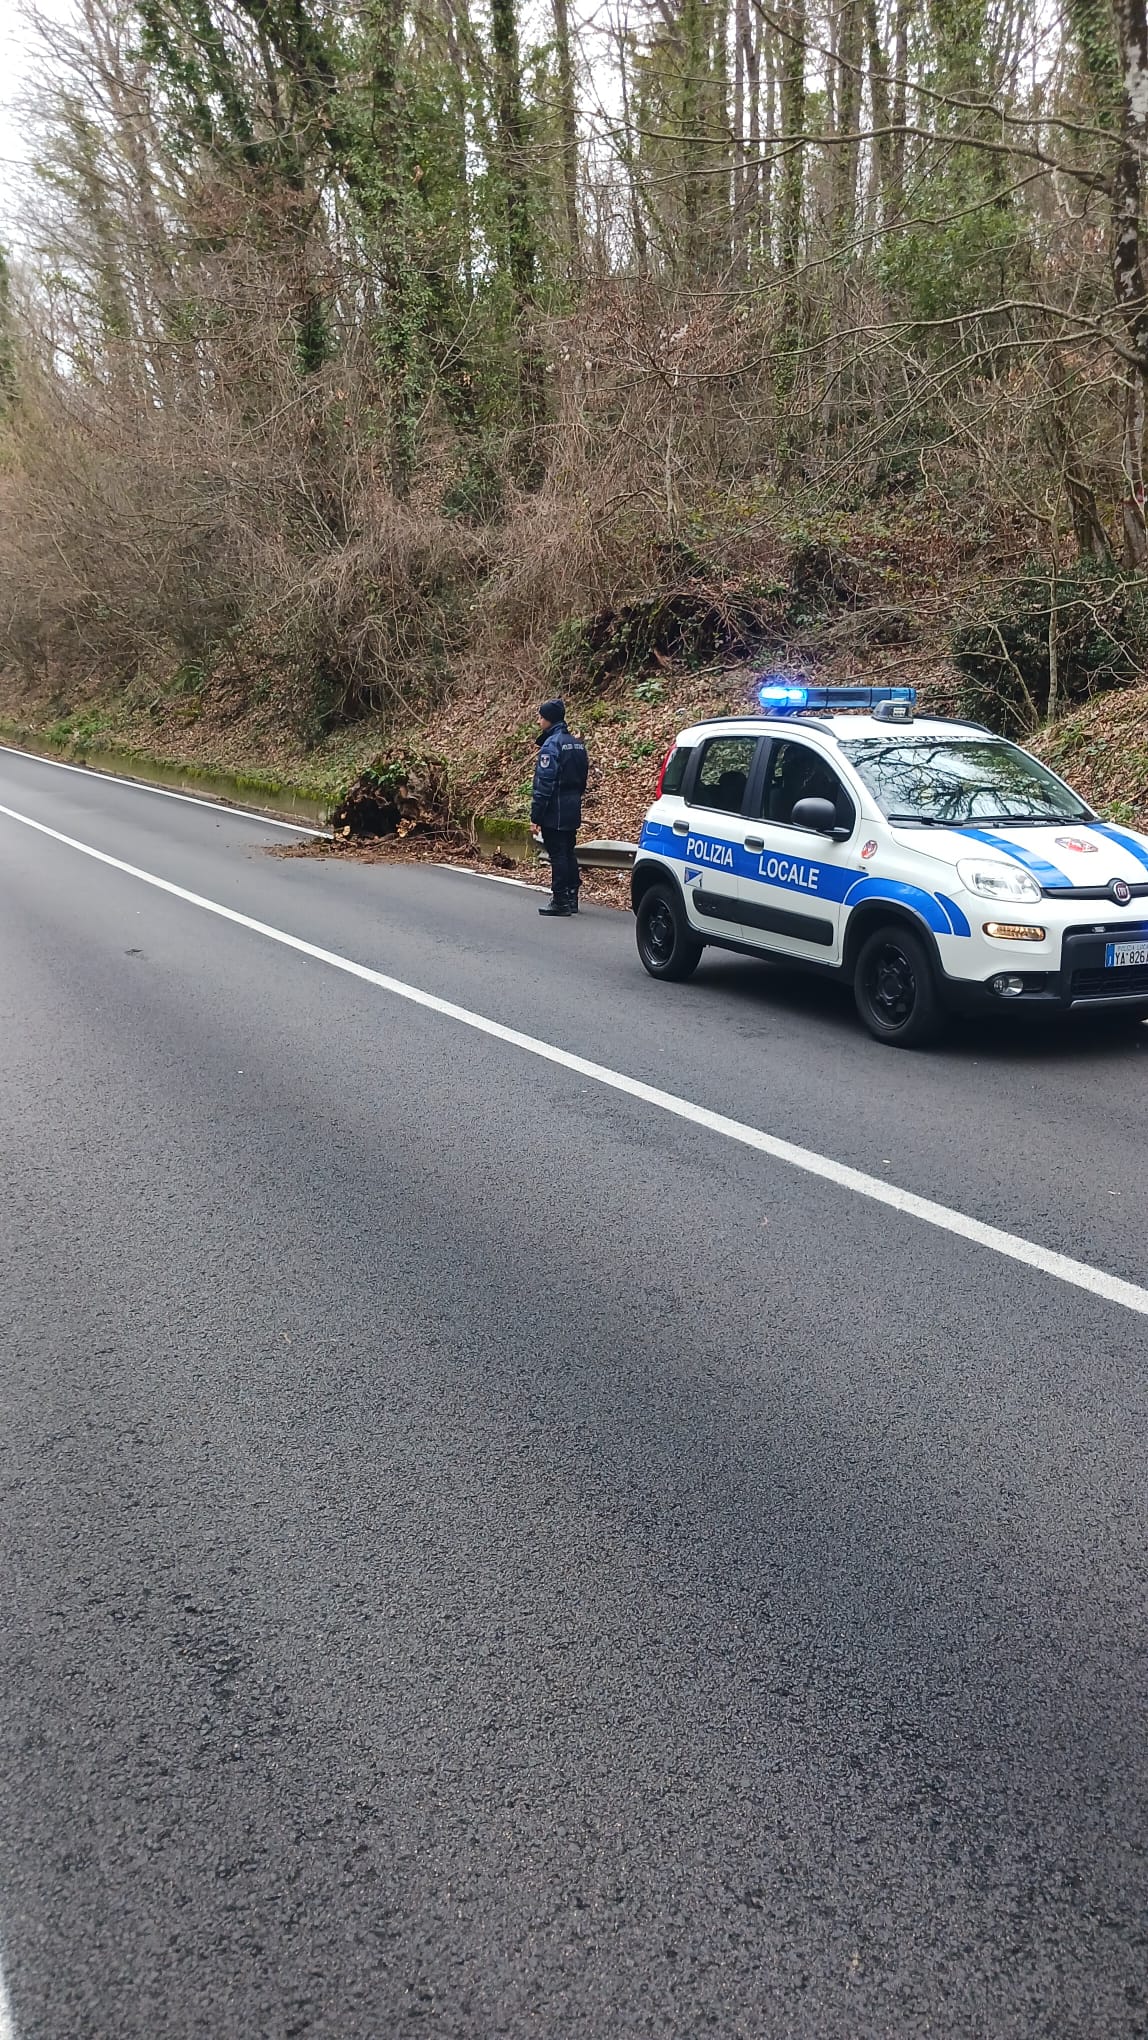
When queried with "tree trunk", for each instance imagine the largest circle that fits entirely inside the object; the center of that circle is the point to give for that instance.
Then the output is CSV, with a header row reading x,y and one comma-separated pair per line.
x,y
637,217
568,115
766,125
757,175
898,110
879,104
719,153
741,61
7,340
695,53
845,155
791,196
397,328
522,260
1053,644
1128,280
1132,464
1091,537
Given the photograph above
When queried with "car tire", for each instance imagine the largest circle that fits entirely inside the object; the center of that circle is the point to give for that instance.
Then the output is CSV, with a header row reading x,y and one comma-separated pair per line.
x,y
666,946
895,988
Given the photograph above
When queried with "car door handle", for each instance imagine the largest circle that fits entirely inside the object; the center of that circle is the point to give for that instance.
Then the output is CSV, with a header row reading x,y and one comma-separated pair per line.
x,y
755,842
681,828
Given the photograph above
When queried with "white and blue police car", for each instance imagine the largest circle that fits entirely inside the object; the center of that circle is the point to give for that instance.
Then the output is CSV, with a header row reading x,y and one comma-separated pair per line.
x,y
936,867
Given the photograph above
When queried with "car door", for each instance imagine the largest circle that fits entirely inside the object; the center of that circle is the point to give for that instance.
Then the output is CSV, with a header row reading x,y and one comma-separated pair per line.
x,y
795,878
714,828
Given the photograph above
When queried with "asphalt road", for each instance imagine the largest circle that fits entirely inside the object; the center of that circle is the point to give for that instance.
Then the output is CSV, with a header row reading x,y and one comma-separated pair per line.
x,y
482,1555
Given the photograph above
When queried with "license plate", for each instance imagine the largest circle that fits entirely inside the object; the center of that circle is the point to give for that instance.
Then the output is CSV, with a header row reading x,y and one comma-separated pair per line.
x,y
1120,955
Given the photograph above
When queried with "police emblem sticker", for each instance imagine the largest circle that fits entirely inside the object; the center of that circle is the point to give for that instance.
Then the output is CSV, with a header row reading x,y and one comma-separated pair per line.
x,y
869,849
1077,843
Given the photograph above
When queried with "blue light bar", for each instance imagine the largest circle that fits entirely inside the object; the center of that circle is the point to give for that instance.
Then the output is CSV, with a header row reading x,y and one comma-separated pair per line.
x,y
778,700
779,697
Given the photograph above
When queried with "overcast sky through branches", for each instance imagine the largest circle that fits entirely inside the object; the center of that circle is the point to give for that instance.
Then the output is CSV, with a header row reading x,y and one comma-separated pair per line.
x,y
17,63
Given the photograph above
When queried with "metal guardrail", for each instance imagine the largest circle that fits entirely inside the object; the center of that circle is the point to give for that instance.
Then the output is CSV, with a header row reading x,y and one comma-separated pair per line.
x,y
606,856
603,856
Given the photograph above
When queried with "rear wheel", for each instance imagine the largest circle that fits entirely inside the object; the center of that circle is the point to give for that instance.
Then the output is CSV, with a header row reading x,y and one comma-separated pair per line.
x,y
665,944
895,988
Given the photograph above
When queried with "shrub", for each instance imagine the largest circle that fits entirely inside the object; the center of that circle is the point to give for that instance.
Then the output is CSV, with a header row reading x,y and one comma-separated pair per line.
x,y
1095,616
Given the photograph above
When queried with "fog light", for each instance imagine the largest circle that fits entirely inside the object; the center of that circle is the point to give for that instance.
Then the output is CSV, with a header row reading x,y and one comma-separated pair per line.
x,y
1007,987
1013,931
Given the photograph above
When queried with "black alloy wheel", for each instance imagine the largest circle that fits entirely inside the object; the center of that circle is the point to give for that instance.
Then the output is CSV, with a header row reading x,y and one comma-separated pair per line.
x,y
895,988
665,944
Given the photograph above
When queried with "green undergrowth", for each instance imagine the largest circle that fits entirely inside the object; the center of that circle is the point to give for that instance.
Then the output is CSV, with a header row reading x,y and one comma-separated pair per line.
x,y
971,617
80,740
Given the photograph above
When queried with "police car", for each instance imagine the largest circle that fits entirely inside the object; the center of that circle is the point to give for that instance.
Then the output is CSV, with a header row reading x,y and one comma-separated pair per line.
x,y
936,867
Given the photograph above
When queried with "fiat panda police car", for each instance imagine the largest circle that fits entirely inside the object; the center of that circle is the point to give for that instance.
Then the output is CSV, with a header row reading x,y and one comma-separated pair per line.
x,y
936,867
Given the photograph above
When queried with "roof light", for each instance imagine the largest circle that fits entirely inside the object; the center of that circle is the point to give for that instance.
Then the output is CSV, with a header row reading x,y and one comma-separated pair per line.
x,y
780,697
779,700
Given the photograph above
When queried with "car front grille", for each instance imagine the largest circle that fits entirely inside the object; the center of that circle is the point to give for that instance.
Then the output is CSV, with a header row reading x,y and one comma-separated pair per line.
x,y
1110,984
1073,893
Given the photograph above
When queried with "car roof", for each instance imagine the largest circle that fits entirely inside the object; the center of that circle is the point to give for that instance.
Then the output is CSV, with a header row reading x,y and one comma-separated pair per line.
x,y
838,728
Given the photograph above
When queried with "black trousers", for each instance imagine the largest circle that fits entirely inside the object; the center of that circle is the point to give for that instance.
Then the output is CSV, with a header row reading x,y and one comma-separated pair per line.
x,y
564,874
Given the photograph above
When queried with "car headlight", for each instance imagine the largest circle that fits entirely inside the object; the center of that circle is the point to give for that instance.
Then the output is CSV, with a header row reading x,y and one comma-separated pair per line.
x,y
997,881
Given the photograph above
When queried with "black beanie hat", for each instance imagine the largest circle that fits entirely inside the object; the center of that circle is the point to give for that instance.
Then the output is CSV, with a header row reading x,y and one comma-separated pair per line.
x,y
553,711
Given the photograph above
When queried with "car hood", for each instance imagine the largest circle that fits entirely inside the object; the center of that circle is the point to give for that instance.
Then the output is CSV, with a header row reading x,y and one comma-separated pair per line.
x,y
1063,857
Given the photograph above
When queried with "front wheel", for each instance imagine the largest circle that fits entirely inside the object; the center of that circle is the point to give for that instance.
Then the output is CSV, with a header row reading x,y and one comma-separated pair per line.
x,y
665,945
895,988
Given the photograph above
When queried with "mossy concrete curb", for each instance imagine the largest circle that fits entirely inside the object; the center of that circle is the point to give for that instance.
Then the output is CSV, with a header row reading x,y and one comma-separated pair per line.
x,y
274,797
495,835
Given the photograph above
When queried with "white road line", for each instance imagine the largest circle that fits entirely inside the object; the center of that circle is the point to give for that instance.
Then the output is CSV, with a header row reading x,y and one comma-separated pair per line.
x,y
492,877
165,793
1079,1274
7,2023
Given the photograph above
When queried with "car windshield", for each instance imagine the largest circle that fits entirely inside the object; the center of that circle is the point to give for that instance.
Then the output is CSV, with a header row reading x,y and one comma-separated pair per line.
x,y
956,780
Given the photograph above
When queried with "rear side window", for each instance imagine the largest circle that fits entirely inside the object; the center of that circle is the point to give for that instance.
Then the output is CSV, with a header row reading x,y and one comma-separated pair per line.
x,y
723,774
675,770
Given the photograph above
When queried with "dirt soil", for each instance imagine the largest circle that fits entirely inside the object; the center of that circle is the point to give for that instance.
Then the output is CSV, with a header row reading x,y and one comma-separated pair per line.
x,y
604,888
478,744
1102,750
908,576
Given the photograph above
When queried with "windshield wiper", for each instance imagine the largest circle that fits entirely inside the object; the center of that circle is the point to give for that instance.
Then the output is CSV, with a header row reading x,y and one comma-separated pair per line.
x,y
1025,821
990,821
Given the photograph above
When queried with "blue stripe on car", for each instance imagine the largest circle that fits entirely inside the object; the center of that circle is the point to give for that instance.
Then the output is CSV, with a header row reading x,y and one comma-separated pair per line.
x,y
1039,867
924,903
833,883
1121,837
960,925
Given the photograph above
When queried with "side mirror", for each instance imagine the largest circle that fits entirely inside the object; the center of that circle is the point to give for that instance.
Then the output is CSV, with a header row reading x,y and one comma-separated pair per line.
x,y
818,815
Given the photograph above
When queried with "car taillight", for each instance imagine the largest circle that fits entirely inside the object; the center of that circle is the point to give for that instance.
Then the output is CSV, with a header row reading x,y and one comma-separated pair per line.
x,y
662,772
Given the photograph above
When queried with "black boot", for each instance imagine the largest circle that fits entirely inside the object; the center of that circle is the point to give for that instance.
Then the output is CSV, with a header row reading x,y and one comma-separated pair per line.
x,y
571,902
558,908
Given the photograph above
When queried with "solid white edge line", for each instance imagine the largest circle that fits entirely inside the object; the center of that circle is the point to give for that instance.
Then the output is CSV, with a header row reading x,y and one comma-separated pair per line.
x,y
1078,1274
7,2023
166,793
491,877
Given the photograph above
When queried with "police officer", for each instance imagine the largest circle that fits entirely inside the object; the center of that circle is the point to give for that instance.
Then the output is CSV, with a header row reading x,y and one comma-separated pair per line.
x,y
556,804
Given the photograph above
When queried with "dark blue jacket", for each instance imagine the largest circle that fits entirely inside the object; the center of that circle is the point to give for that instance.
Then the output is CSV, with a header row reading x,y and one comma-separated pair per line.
x,y
559,780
